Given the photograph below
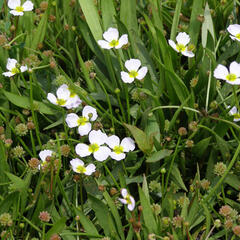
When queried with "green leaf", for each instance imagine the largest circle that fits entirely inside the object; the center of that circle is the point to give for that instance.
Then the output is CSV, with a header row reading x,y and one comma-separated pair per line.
x,y
200,148
57,227
18,183
101,211
176,177
143,142
176,19
24,102
233,181
108,13
148,216
157,156
91,14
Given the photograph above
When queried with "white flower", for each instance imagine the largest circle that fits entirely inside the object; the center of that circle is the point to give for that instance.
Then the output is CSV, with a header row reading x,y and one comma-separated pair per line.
x,y
18,9
127,199
232,77
234,112
96,139
133,66
78,167
234,30
13,68
127,144
73,101
63,94
112,39
83,123
43,156
182,41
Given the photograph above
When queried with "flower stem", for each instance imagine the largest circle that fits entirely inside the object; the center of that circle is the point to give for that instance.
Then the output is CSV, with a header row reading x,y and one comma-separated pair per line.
x,y
236,98
109,172
81,191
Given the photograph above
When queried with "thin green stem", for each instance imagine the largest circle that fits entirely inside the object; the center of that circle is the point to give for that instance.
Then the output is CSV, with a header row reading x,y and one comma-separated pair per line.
x,y
121,107
236,98
81,191
109,172
208,87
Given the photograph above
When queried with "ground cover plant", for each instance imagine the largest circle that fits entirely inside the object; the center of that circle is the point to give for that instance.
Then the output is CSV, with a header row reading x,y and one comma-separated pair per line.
x,y
119,119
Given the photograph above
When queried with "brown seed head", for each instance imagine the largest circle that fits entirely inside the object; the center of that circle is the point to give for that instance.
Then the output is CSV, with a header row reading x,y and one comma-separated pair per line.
x,y
44,5
225,210
182,131
55,237
33,163
44,216
236,230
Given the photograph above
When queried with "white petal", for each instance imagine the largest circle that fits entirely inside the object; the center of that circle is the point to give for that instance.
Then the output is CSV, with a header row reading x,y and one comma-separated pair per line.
x,y
11,63
233,110
236,82
76,162
14,3
220,72
124,201
51,97
124,192
123,40
72,120
133,64
234,38
84,129
8,74
142,73
113,141
132,205
90,110
73,102
91,168
234,29
16,13
63,92
173,45
117,156
126,78
183,38
104,44
82,150
23,68
97,137
111,34
128,144
235,68
236,119
27,6
188,53
102,154
44,154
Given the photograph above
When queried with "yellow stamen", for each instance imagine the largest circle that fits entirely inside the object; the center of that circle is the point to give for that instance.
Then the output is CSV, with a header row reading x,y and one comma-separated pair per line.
x,y
180,47
61,102
238,36
114,43
127,198
82,121
236,115
15,70
118,149
93,147
231,77
81,169
19,9
133,74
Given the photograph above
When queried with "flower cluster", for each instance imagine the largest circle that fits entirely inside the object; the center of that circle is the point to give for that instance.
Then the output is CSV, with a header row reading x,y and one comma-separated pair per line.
x,y
65,97
14,68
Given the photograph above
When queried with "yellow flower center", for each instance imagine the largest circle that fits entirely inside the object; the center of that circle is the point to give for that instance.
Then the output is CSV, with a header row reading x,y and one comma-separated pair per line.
x,y
114,43
15,70
93,147
61,102
231,77
82,121
127,198
118,149
236,116
133,74
19,9
238,36
180,47
81,169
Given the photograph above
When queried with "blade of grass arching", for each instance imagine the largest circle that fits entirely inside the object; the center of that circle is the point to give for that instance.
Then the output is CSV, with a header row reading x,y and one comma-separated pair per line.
x,y
57,227
108,13
176,20
115,214
84,70
207,26
92,17
195,24
128,15
148,216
